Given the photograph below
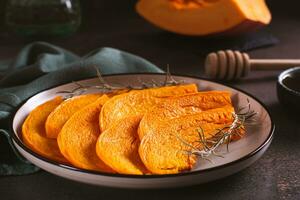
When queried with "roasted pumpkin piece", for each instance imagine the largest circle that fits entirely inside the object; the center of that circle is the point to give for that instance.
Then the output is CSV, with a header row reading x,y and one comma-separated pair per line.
x,y
64,111
118,147
162,150
178,106
77,139
205,17
137,102
33,131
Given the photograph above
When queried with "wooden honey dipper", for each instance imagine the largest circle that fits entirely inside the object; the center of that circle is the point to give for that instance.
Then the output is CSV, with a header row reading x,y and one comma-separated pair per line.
x,y
230,65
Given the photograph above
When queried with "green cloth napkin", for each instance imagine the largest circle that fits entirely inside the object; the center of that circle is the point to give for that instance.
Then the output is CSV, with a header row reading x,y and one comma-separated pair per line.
x,y
39,66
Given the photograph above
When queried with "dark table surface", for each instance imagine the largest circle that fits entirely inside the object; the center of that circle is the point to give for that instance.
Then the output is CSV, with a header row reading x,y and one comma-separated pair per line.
x,y
114,23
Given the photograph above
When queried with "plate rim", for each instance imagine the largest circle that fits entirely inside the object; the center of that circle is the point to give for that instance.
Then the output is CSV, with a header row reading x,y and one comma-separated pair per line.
x,y
156,176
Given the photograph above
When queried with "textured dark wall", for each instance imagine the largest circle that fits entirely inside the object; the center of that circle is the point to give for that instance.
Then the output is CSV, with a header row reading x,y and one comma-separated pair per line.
x,y
90,10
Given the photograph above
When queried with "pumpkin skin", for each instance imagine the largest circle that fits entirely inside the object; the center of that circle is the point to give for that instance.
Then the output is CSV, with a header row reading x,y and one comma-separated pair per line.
x,y
205,17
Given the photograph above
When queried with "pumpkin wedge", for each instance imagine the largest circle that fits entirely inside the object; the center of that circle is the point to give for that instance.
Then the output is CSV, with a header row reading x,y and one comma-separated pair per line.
x,y
137,102
64,111
33,131
118,147
162,149
183,105
205,17
77,139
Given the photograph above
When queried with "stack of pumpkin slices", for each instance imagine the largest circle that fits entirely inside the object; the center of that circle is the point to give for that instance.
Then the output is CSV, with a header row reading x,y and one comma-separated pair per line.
x,y
133,132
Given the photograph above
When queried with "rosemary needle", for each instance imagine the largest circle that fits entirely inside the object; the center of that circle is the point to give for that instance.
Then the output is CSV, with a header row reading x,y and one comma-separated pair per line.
x,y
222,136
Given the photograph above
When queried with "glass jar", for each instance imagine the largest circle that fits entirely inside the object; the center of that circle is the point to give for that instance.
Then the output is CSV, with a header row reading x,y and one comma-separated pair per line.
x,y
43,17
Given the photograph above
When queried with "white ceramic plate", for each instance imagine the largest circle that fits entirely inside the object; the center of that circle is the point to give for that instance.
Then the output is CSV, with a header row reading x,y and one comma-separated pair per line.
x,y
241,153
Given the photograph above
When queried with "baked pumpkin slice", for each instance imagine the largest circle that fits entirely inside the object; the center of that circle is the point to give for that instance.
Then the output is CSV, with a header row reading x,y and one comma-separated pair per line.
x,y
34,135
177,106
137,102
118,147
77,139
162,149
64,111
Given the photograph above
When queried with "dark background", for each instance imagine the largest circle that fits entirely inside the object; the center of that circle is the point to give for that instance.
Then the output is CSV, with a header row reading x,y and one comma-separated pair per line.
x,y
114,23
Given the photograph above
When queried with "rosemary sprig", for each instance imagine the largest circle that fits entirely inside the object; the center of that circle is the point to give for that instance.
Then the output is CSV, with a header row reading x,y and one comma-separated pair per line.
x,y
209,147
105,87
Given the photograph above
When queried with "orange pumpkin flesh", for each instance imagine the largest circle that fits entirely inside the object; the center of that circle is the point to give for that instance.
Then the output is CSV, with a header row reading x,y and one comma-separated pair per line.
x,y
77,139
143,141
118,147
163,153
187,104
64,111
137,102
205,17
33,131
